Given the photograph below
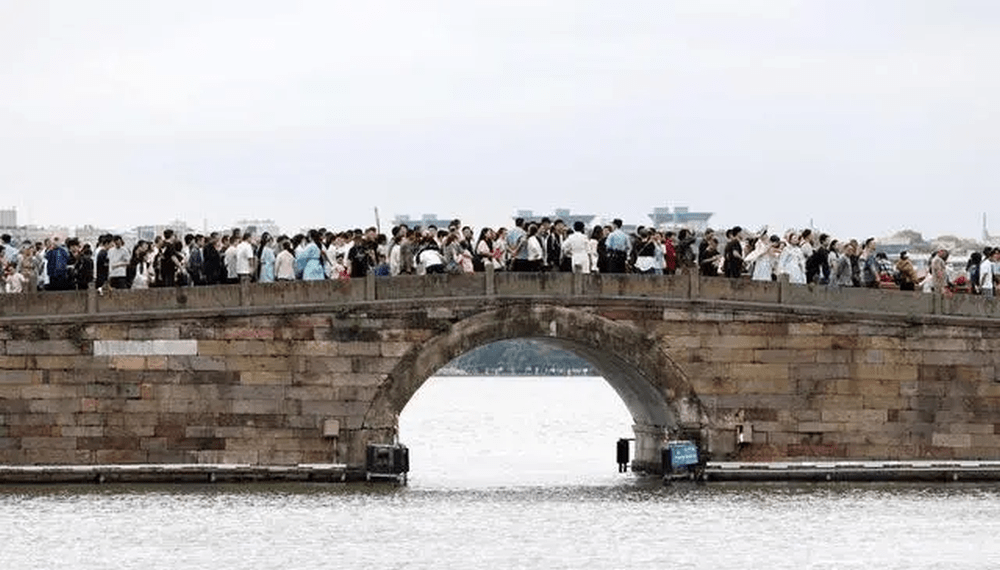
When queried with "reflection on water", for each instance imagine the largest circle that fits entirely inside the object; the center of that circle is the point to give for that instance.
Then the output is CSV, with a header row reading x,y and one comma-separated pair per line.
x,y
475,432
532,498
635,522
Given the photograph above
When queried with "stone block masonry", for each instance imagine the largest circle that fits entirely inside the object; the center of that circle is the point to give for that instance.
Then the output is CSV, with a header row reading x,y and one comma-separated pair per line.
x,y
313,373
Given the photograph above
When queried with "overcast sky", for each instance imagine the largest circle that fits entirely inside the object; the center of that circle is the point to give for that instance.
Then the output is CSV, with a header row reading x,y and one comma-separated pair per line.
x,y
862,116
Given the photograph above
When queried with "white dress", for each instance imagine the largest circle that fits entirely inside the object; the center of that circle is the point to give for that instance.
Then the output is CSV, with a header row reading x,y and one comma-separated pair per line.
x,y
793,263
763,269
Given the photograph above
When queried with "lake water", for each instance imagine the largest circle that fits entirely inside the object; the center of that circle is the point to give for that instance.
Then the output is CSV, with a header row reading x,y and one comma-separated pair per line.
x,y
505,473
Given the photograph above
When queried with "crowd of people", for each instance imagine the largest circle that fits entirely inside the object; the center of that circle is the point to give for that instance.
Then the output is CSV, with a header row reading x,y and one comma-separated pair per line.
x,y
536,246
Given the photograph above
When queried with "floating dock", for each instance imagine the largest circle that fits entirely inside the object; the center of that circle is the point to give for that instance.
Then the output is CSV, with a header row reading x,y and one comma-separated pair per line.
x,y
854,471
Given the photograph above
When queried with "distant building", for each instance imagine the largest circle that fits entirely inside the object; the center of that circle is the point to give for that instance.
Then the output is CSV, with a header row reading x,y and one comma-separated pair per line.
x,y
258,227
681,217
40,234
424,221
150,233
559,214
8,219
906,240
90,234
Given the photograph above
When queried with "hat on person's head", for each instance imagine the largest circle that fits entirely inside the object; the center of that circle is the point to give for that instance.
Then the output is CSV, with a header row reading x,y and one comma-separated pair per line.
x,y
903,254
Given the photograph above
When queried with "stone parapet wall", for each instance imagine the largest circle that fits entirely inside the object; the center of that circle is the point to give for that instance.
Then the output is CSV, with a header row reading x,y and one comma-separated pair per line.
x,y
493,285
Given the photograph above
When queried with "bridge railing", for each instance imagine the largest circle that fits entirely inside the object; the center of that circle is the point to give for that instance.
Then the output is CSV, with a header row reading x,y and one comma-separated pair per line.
x,y
489,284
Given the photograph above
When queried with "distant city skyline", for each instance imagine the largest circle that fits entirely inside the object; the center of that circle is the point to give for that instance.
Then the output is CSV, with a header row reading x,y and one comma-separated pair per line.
x,y
701,220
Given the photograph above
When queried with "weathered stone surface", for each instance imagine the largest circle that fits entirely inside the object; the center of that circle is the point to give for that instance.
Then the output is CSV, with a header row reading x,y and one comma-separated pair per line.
x,y
157,347
952,440
20,377
210,378
43,347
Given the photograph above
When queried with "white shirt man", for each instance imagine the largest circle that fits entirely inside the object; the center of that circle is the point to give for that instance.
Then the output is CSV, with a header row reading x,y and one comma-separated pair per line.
x,y
244,259
986,270
575,247
118,259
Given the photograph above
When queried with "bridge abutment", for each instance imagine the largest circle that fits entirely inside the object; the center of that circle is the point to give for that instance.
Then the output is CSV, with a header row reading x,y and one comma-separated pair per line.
x,y
649,440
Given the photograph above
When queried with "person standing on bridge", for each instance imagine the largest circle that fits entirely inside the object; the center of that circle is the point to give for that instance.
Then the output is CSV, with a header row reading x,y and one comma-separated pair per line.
x,y
57,262
818,262
543,235
765,257
792,262
555,260
429,256
14,281
211,260
118,258
732,264
906,274
575,248
168,261
310,262
83,265
597,250
10,253
501,258
102,267
987,271
645,258
536,252
517,246
936,280
706,239
284,262
709,258
686,250
870,270
669,254
266,258
196,260
618,246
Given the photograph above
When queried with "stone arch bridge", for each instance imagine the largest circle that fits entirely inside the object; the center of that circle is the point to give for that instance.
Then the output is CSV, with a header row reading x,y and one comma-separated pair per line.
x,y
298,373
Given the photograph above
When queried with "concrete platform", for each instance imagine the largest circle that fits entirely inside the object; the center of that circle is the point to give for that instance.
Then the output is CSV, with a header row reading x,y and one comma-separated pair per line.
x,y
174,473
843,471
858,471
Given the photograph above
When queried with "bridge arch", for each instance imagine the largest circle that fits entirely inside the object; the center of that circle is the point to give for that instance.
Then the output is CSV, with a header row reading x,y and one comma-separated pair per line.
x,y
657,394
